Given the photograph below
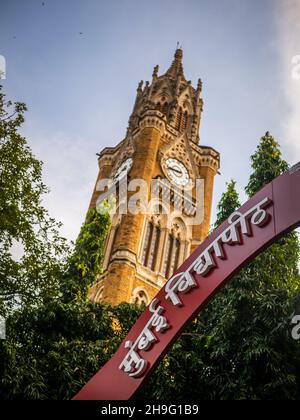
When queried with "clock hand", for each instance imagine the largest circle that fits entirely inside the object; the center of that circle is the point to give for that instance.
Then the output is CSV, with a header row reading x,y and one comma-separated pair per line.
x,y
175,170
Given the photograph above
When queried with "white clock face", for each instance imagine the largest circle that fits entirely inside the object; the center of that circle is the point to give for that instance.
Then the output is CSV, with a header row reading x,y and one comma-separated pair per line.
x,y
177,172
123,169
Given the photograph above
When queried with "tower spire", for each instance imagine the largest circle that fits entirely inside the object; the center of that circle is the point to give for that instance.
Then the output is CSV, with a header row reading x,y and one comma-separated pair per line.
x,y
176,68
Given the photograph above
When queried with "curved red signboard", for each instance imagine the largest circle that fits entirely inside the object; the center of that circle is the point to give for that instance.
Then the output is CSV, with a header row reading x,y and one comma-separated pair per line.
x,y
271,213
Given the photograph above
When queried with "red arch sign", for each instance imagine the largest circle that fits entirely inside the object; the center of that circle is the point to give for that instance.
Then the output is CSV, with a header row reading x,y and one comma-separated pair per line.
x,y
272,212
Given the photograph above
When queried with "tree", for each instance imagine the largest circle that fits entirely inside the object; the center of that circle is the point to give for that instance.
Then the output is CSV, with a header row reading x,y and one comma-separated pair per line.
x,y
24,222
53,349
240,347
267,164
56,338
53,328
279,263
229,202
85,262
251,352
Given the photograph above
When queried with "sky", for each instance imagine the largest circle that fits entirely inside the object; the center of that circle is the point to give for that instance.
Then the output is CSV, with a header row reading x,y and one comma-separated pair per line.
x,y
77,63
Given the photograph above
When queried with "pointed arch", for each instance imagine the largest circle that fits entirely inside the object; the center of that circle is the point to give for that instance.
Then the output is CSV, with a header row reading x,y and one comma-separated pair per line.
x,y
153,235
140,296
99,294
162,89
178,118
181,120
151,243
184,121
175,241
109,246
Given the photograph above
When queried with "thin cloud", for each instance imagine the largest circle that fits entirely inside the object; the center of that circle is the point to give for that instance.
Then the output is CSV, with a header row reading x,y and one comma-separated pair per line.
x,y
289,45
69,171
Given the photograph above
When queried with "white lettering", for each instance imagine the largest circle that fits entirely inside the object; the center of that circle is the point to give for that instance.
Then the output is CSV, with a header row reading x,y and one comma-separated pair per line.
x,y
205,262
181,282
133,364
113,410
296,329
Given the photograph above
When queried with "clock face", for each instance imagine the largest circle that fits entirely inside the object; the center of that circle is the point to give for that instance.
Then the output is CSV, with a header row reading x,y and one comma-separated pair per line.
x,y
123,169
177,172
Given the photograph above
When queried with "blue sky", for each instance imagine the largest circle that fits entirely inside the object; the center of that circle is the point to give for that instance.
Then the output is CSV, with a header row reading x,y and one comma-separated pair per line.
x,y
77,63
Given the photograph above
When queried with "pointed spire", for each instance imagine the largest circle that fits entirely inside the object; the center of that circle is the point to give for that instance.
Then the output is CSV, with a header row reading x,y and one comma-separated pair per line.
x,y
178,54
176,68
155,72
199,85
170,94
140,86
198,90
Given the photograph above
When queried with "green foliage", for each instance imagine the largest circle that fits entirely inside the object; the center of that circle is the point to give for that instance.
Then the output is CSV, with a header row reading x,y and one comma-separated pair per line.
x,y
228,204
267,164
52,349
278,265
51,352
24,222
85,262
56,339
240,347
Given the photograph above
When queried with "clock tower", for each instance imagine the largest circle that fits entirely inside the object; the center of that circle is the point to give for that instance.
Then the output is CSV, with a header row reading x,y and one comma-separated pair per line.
x,y
144,248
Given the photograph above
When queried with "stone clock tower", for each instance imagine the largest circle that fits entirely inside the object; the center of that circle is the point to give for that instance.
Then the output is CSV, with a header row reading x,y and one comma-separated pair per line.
x,y
162,143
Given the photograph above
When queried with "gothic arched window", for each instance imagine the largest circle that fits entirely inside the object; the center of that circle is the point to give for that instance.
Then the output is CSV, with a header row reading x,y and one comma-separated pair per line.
x,y
99,294
150,246
153,248
175,255
147,243
181,120
172,250
184,120
171,256
178,119
112,248
139,297
168,256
